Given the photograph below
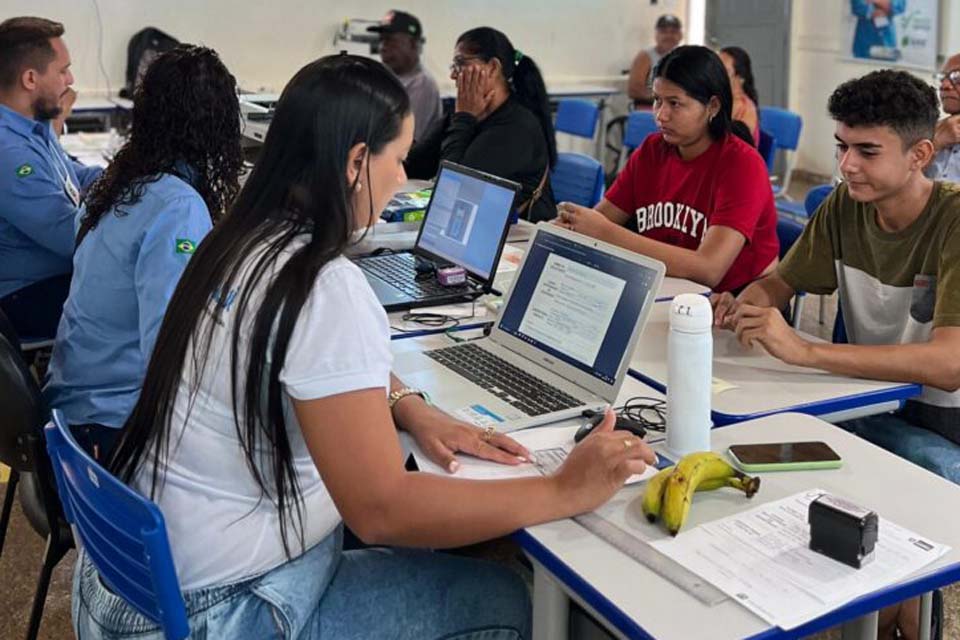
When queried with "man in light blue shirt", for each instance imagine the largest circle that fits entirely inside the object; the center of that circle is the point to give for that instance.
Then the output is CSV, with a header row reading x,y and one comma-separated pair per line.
x,y
40,186
946,164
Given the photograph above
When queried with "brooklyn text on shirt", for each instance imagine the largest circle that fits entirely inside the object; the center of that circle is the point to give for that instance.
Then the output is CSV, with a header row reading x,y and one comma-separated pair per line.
x,y
671,215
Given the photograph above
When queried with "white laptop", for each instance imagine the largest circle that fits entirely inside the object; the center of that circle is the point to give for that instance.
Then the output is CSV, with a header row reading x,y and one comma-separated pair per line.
x,y
562,342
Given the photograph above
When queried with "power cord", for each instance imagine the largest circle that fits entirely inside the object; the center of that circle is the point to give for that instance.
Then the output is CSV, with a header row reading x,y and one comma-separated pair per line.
x,y
651,413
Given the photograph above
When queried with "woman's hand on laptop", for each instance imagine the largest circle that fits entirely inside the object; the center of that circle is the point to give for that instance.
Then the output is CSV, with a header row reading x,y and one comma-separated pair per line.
x,y
601,463
441,437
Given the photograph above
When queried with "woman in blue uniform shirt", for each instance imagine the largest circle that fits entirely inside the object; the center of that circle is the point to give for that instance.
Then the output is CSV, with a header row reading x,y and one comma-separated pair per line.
x,y
141,223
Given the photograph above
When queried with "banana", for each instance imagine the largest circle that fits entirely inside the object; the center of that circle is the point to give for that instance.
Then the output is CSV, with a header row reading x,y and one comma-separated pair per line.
x,y
698,472
653,494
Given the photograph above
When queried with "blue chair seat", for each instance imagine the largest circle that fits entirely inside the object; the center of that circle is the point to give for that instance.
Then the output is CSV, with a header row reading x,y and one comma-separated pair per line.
x,y
577,117
577,178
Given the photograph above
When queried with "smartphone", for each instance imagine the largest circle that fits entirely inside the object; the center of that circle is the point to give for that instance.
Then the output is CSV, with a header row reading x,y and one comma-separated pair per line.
x,y
784,456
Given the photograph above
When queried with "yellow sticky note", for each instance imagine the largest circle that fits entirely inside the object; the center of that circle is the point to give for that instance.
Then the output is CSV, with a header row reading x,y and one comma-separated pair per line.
x,y
4,473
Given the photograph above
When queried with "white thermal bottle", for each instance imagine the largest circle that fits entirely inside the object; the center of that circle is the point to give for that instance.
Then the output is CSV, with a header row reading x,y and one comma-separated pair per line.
x,y
689,374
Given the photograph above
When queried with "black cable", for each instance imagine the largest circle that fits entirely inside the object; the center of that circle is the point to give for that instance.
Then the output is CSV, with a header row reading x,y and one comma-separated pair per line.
x,y
651,413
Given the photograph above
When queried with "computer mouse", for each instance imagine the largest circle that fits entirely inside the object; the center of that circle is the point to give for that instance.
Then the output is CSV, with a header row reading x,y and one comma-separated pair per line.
x,y
622,424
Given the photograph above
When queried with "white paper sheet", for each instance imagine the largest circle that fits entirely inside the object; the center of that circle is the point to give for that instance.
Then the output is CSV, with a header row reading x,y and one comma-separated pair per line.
x,y
533,439
761,558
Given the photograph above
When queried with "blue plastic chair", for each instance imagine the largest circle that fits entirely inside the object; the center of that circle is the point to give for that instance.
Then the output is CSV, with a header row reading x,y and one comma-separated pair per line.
x,y
640,124
788,231
768,150
577,117
577,178
815,197
122,532
785,127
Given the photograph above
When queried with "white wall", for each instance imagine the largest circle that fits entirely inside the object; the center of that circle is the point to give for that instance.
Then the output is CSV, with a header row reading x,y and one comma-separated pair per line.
x,y
264,42
817,67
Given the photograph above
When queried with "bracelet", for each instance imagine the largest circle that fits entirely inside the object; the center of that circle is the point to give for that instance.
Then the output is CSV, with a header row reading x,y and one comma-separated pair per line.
x,y
400,394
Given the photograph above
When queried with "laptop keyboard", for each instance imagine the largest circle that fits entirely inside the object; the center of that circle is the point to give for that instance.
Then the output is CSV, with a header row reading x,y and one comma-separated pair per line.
x,y
399,270
511,384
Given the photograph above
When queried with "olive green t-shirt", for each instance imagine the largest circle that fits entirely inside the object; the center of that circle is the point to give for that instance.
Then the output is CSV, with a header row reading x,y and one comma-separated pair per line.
x,y
895,287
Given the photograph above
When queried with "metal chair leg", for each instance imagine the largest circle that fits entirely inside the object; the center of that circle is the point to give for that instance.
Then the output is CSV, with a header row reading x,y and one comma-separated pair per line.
x,y
8,499
54,553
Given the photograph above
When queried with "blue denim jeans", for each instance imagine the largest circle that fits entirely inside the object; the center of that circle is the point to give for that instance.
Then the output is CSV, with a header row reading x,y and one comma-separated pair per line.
x,y
330,594
920,446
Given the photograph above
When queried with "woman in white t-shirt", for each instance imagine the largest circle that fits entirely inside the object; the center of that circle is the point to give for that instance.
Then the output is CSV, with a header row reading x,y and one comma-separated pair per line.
x,y
267,418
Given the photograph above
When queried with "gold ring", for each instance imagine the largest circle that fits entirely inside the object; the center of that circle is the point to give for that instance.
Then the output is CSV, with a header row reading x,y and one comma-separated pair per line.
x,y
488,432
627,444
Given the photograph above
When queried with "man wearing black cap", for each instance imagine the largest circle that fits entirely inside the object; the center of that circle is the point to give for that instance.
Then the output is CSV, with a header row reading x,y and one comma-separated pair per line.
x,y
668,33
401,39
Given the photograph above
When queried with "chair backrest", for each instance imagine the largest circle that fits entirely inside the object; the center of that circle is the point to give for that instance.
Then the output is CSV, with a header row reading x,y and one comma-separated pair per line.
x,y
788,230
577,178
783,125
839,327
768,150
815,196
577,117
123,533
22,413
640,124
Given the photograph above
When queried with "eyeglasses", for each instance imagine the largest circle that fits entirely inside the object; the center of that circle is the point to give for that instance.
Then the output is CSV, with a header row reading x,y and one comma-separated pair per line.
x,y
460,62
953,75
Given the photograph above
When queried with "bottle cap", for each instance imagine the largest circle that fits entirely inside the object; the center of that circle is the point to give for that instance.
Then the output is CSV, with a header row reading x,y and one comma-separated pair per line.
x,y
691,313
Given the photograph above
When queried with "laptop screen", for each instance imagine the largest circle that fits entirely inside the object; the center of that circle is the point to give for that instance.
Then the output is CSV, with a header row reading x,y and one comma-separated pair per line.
x,y
577,303
466,221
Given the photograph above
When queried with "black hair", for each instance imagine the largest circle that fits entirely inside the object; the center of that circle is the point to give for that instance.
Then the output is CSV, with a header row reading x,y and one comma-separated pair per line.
x,y
701,74
296,204
521,73
895,99
186,119
744,69
25,43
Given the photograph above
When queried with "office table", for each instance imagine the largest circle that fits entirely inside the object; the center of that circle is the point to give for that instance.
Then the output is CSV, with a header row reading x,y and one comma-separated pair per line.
x,y
632,601
764,385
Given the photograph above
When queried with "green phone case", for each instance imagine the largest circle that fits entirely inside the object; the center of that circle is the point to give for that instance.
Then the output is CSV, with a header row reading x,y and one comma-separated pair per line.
x,y
785,466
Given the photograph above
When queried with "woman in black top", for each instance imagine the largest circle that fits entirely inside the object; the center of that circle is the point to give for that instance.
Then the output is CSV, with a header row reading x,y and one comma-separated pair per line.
x,y
501,125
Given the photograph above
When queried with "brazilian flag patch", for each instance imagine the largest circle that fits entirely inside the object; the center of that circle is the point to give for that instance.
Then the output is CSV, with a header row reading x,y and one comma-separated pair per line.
x,y
185,245
24,170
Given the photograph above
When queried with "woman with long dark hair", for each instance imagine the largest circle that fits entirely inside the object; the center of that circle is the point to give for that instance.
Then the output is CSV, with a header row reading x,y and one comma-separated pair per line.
x,y
696,194
142,220
745,98
268,415
501,122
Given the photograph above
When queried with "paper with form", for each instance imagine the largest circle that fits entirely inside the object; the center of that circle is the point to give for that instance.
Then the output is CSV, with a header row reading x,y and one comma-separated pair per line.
x,y
761,558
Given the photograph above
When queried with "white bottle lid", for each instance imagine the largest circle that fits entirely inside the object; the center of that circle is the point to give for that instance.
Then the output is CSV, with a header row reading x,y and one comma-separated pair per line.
x,y
691,313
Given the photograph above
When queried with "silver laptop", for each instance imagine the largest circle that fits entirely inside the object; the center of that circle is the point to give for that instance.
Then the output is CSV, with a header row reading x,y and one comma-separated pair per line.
x,y
562,342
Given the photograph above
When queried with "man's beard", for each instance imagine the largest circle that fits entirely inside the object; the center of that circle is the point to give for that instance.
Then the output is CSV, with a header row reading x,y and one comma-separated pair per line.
x,y
44,109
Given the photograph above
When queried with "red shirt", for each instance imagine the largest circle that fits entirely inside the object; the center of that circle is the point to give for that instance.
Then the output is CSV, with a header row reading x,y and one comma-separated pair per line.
x,y
674,200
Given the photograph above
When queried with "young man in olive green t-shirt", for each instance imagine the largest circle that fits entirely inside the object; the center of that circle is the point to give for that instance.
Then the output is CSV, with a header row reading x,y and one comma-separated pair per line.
x,y
889,239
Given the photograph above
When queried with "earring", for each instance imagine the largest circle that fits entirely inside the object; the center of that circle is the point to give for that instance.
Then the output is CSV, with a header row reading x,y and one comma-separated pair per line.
x,y
359,186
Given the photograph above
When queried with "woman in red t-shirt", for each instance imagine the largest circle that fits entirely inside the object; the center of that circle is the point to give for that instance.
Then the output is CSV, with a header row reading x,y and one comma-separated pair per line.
x,y
695,195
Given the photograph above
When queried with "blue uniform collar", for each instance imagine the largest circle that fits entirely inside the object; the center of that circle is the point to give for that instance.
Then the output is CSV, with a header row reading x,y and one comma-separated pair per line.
x,y
23,125
187,172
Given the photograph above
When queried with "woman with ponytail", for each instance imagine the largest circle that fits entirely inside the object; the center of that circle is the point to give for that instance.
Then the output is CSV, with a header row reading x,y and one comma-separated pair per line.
x,y
745,98
501,123
695,195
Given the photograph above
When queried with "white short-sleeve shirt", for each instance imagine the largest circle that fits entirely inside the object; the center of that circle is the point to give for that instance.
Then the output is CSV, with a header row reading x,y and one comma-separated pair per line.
x,y
221,528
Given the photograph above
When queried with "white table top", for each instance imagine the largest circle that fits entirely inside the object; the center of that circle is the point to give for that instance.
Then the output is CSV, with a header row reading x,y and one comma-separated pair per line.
x,y
763,384
91,149
556,90
897,490
101,103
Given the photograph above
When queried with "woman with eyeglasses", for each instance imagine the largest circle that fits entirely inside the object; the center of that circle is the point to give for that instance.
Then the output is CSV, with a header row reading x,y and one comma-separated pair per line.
x,y
269,415
501,122
694,195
